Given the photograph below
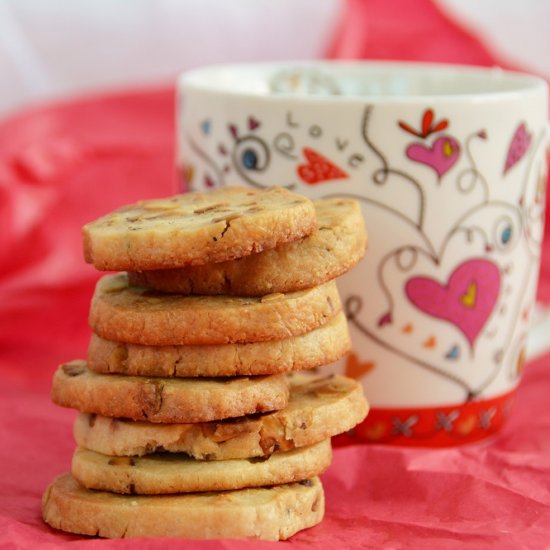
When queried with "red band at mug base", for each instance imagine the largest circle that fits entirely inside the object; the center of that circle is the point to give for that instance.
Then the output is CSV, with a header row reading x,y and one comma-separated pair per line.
x,y
444,426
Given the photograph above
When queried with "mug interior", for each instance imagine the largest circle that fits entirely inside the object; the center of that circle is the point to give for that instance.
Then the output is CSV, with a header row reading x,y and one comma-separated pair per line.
x,y
335,80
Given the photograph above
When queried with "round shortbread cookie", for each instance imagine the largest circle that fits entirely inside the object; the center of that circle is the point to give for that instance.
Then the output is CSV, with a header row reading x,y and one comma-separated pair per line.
x,y
274,513
319,347
123,313
166,399
317,409
166,473
197,228
332,250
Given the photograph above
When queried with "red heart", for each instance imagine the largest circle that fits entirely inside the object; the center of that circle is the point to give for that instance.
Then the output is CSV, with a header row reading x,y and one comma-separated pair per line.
x,y
253,123
318,168
466,301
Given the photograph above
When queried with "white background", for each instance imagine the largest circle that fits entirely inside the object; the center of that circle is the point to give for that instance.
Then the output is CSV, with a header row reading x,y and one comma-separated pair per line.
x,y
58,48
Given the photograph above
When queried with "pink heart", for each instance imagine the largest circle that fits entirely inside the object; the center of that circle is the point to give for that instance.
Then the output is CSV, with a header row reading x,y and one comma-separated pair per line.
x,y
441,156
233,130
521,140
466,301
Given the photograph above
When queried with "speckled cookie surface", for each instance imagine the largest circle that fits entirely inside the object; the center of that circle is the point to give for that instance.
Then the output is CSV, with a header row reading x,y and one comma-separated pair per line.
x,y
319,347
168,473
197,228
123,313
166,399
337,245
274,513
317,409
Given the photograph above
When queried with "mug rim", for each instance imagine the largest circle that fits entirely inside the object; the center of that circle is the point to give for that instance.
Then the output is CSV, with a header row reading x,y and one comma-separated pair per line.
x,y
227,80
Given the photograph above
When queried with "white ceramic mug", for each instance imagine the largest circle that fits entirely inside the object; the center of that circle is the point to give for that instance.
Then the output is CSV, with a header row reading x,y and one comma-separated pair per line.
x,y
448,164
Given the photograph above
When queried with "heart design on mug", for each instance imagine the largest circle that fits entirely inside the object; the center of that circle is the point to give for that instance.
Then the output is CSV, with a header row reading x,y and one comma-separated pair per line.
x,y
466,300
253,123
441,156
355,368
521,141
318,168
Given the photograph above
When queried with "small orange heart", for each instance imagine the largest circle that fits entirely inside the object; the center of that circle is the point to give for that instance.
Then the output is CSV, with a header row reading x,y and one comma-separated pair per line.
x,y
408,328
431,342
374,432
189,173
467,425
355,369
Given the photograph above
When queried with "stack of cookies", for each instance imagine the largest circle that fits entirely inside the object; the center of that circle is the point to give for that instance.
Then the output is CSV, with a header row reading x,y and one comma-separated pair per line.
x,y
193,421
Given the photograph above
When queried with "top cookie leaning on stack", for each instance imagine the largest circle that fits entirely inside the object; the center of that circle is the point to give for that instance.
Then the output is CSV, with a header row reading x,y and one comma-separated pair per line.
x,y
197,229
208,243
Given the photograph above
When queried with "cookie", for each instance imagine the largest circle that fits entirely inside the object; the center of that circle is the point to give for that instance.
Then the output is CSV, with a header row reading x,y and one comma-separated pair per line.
x,y
166,399
317,409
166,473
319,347
123,313
337,245
197,228
274,513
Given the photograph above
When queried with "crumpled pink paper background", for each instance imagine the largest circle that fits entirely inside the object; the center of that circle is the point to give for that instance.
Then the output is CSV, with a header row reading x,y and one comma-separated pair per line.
x,y
66,164
495,495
